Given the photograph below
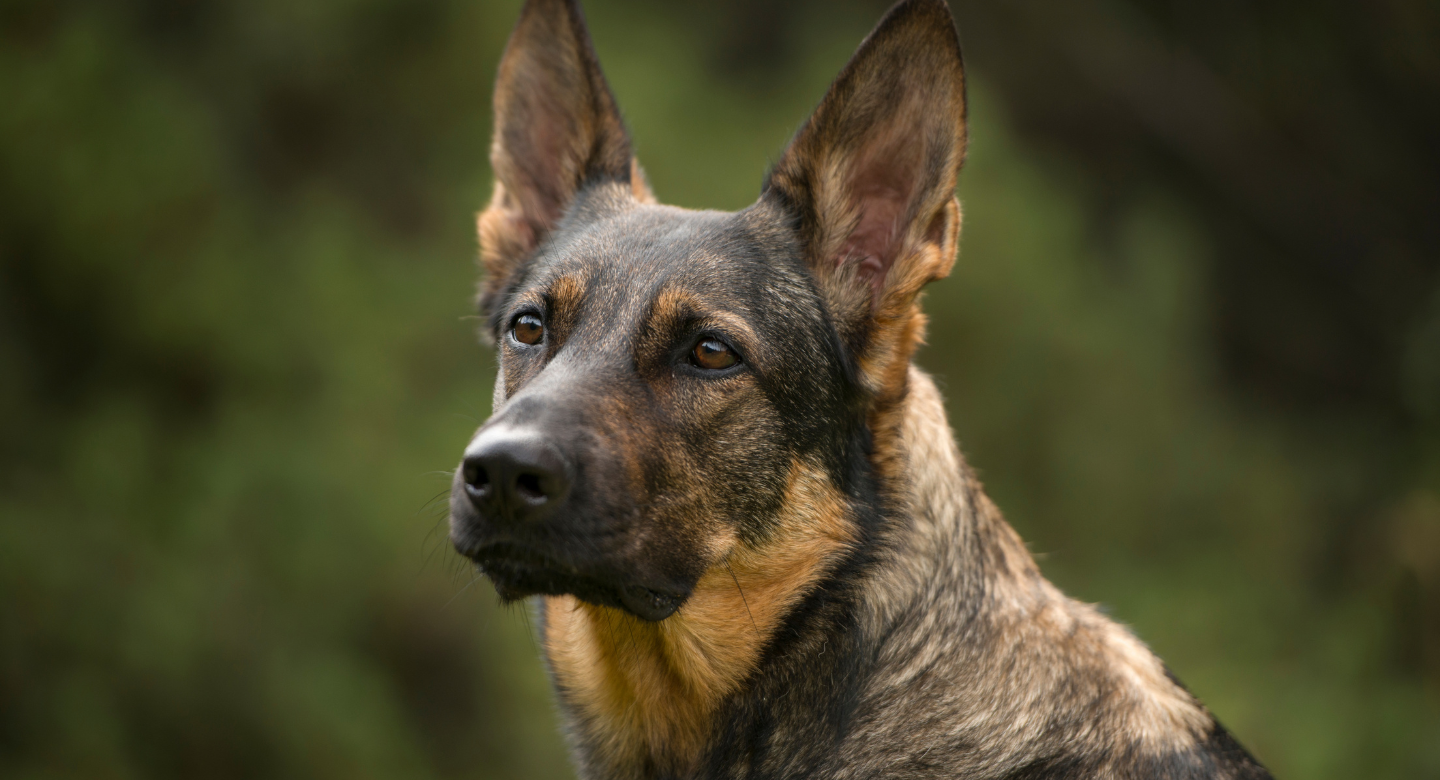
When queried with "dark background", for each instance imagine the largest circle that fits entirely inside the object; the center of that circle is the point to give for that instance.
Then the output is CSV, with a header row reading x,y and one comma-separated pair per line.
x,y
1192,343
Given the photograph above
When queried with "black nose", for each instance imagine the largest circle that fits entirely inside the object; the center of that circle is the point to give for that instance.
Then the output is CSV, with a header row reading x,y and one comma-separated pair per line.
x,y
515,477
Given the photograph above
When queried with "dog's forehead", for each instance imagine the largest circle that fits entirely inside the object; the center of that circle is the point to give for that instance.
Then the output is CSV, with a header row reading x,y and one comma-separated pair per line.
x,y
625,258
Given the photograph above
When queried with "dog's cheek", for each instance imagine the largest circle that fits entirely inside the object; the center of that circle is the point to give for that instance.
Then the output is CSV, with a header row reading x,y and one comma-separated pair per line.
x,y
675,533
708,462
748,464
515,370
512,374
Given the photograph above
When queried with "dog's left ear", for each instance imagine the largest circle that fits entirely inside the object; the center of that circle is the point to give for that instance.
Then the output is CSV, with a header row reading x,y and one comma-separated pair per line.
x,y
870,180
557,130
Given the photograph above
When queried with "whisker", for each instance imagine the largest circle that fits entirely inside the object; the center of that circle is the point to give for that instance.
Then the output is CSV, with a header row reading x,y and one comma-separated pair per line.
x,y
529,627
743,600
472,581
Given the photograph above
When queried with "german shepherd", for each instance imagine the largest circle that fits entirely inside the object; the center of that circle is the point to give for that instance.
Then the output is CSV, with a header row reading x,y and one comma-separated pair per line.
x,y
758,550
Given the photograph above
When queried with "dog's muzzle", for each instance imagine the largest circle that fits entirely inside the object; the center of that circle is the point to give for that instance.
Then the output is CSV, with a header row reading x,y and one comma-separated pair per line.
x,y
511,514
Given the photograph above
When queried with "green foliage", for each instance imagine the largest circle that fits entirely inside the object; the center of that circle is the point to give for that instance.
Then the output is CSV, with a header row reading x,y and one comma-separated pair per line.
x,y
235,364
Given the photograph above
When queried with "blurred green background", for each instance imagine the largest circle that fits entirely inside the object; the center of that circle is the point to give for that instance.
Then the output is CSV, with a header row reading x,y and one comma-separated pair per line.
x,y
1192,344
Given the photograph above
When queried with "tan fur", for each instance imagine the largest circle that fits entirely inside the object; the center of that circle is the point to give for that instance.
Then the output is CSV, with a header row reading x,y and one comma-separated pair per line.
x,y
899,329
674,305
567,298
640,184
649,689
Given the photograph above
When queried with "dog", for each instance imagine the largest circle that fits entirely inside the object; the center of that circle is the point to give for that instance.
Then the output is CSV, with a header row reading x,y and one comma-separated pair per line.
x,y
756,547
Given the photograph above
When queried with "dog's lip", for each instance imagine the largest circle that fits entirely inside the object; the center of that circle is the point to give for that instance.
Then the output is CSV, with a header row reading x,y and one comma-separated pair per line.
x,y
516,553
519,571
652,605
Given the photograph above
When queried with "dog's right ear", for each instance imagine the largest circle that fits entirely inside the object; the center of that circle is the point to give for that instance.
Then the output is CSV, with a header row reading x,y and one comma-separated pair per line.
x,y
556,130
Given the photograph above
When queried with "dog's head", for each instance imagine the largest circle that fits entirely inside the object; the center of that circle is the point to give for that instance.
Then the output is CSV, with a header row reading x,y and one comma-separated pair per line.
x,y
676,387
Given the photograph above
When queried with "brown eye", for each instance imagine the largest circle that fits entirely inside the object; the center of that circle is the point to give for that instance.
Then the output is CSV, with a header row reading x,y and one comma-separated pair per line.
x,y
712,354
528,329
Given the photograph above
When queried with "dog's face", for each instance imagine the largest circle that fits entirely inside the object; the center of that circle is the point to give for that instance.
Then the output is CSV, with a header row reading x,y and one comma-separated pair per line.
x,y
659,371
667,377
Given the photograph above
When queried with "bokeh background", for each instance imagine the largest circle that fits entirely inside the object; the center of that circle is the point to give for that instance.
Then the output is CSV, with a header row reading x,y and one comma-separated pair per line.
x,y
1192,344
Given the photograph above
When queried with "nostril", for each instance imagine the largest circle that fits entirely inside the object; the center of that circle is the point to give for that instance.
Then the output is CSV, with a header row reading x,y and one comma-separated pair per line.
x,y
477,480
528,486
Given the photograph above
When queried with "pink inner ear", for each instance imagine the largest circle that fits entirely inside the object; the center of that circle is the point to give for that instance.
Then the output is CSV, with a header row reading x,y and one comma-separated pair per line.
x,y
880,189
874,242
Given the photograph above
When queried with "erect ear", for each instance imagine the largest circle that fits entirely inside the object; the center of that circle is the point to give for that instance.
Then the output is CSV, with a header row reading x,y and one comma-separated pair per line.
x,y
870,178
556,130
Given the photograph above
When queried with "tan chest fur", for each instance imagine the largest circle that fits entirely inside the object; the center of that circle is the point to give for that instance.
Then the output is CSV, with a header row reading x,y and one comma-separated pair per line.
x,y
648,691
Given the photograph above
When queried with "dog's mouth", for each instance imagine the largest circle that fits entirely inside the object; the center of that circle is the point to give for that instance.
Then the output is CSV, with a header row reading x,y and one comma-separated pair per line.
x,y
518,571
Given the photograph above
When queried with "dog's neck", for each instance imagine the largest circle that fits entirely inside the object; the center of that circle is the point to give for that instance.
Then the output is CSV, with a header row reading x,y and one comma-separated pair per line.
x,y
947,532
956,561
